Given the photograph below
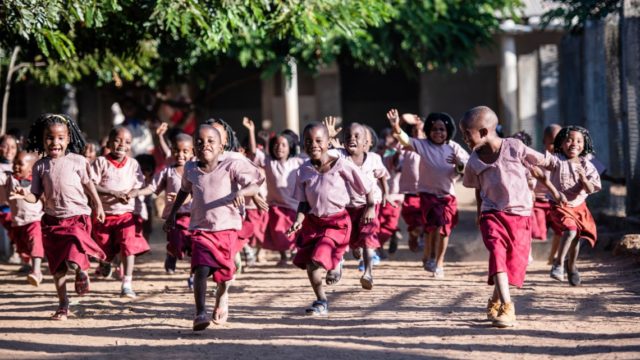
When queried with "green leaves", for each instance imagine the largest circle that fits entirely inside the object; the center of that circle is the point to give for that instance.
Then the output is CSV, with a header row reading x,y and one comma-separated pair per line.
x,y
172,40
573,14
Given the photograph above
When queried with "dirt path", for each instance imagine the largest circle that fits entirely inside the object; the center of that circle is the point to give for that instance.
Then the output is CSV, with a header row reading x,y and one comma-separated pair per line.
x,y
406,315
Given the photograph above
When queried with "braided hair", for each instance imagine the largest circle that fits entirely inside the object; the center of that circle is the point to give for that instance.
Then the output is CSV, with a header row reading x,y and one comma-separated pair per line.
x,y
523,136
446,119
564,134
232,140
35,140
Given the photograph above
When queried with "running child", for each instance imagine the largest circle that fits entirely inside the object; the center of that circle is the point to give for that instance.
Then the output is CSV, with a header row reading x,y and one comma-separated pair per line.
x,y
281,167
218,189
63,178
497,169
118,179
8,150
364,219
322,188
444,162
25,221
389,215
576,178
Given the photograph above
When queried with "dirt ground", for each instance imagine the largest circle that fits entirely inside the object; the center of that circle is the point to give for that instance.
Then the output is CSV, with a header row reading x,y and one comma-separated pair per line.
x,y
407,315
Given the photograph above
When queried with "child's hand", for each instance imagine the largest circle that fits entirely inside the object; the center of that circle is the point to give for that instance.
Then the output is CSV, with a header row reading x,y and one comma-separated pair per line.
x,y
411,119
369,215
394,120
133,193
453,159
18,193
260,202
561,199
162,129
121,196
99,211
386,200
238,199
170,223
330,123
171,197
247,123
294,228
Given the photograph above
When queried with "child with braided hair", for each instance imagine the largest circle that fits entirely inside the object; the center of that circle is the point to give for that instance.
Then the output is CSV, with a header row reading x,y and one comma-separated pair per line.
x,y
63,178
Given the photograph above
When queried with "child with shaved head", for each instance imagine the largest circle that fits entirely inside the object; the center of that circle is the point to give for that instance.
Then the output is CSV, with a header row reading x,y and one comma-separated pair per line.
x,y
497,169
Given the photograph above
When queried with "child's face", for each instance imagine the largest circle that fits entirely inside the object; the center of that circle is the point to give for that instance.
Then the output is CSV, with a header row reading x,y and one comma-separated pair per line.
x,y
472,136
56,140
182,151
355,138
369,139
223,133
316,142
120,144
438,133
90,152
281,148
573,145
8,148
208,145
23,165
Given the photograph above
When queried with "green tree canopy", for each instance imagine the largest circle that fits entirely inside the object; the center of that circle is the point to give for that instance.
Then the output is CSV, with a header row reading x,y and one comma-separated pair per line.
x,y
157,41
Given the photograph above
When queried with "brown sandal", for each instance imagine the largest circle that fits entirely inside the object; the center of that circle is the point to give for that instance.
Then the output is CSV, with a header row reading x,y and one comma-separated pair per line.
x,y
61,314
201,322
82,283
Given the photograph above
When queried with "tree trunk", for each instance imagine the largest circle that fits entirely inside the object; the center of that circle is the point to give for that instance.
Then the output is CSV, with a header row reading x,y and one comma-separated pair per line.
x,y
7,89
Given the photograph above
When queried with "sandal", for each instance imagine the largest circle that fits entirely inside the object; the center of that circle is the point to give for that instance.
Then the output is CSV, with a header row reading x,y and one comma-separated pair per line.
x,y
201,322
318,308
333,276
220,315
82,283
367,282
61,314
34,279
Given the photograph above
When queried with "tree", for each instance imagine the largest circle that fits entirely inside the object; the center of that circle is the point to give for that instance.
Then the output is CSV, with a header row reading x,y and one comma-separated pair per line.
x,y
163,41
574,14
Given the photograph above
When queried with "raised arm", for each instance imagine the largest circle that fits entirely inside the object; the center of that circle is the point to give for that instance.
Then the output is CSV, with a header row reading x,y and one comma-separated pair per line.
x,y
303,209
394,122
251,127
160,141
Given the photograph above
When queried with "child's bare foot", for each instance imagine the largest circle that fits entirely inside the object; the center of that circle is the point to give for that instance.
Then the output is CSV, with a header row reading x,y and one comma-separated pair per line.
x,y
201,322
61,314
221,311
357,253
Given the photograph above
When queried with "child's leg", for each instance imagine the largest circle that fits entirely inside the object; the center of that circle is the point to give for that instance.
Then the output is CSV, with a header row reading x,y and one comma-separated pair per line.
x,y
221,309
314,272
574,250
60,281
502,287
367,278
200,276
129,263
36,264
82,279
441,247
555,245
506,316
283,258
565,243
428,246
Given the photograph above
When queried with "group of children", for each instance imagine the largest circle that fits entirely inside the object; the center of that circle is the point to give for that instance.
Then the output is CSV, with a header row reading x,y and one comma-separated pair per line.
x,y
343,193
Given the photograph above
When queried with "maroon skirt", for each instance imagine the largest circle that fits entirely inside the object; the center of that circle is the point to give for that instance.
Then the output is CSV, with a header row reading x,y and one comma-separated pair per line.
x,y
388,219
117,235
258,220
508,239
363,235
439,212
578,219
69,239
541,219
411,212
28,240
280,220
179,238
215,249
323,240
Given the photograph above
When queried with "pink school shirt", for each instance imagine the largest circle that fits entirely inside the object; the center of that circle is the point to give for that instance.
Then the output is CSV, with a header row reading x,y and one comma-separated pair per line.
x,y
62,182
373,169
125,179
437,176
212,193
503,184
394,180
169,181
566,180
280,179
328,193
412,167
22,212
